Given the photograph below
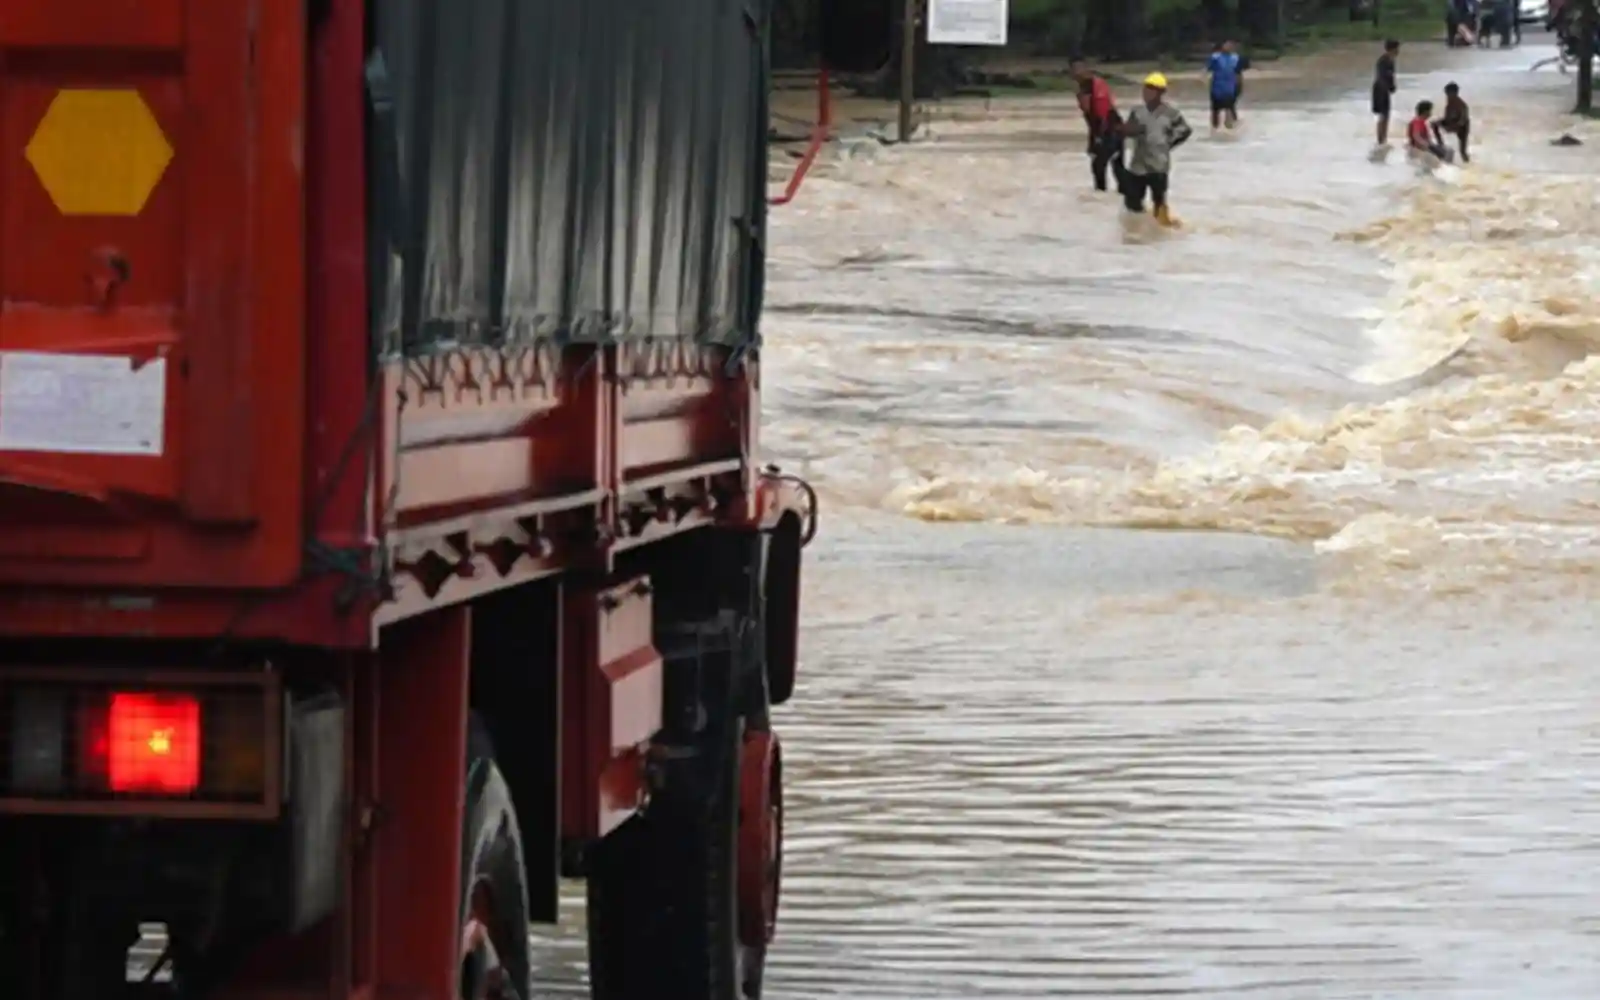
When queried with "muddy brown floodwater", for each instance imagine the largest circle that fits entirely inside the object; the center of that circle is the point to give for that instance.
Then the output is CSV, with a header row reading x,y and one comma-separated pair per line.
x,y
1332,731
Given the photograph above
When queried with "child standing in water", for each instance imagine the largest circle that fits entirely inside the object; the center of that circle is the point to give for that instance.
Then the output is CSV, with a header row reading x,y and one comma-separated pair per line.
x,y
1457,120
1383,88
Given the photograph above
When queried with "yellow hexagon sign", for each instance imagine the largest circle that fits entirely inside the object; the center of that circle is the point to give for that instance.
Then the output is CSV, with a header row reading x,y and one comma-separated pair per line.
x,y
99,152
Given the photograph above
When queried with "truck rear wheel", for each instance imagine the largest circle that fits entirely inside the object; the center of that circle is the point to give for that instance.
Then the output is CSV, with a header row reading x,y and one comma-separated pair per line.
x,y
496,955
666,887
68,937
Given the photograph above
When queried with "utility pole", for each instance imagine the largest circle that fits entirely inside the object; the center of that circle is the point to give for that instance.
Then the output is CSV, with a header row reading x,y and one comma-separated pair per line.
x,y
1586,26
908,68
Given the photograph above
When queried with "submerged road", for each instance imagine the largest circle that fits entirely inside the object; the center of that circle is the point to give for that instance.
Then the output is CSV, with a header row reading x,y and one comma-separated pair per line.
x,y
1332,731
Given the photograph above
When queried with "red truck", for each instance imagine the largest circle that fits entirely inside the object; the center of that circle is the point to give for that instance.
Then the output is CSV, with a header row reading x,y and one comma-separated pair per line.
x,y
383,537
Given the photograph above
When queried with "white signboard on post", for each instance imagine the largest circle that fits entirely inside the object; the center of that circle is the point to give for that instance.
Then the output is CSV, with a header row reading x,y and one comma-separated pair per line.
x,y
967,22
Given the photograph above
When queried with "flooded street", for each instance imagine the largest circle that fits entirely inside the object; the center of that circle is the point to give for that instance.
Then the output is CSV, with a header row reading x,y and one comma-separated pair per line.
x,y
1332,731
963,331
1339,740
1004,785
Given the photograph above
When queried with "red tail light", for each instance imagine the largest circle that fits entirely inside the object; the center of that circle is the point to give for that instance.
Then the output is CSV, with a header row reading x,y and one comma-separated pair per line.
x,y
153,744
85,741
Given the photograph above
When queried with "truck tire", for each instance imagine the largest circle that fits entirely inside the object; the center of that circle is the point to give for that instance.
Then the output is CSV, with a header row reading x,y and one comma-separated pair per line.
x,y
663,895
497,957
83,954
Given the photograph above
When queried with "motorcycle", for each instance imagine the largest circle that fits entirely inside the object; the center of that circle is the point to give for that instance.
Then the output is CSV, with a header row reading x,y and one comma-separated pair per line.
x,y
1563,22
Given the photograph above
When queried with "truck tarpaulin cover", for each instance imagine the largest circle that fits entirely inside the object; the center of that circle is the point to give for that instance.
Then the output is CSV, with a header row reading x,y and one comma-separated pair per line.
x,y
583,171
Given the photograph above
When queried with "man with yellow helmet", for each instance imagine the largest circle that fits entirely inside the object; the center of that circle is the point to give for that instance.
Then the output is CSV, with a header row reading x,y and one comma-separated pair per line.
x,y
1157,128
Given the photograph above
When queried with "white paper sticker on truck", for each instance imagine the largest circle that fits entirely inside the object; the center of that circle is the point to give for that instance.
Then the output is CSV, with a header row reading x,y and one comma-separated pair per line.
x,y
84,404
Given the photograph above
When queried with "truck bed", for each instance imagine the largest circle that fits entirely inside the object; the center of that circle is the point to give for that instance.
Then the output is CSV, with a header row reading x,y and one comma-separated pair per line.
x,y
489,318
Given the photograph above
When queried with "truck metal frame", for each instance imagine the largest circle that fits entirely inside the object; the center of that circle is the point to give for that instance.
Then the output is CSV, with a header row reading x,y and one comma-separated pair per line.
x,y
457,623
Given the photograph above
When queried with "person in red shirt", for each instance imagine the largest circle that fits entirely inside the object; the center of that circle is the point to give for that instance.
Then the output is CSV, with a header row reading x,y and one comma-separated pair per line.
x,y
1420,137
1105,125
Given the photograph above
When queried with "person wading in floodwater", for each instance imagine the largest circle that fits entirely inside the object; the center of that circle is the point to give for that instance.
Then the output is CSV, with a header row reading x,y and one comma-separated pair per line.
x,y
1223,68
1105,125
1420,138
1457,120
1244,64
1383,88
1157,128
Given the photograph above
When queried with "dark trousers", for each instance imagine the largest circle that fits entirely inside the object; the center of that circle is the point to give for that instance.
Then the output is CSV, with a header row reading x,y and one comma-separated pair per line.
x,y
1135,186
1105,153
1462,132
1510,23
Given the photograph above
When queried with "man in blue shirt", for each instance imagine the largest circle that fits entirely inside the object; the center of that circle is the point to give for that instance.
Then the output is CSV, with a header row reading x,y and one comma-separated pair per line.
x,y
1223,67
